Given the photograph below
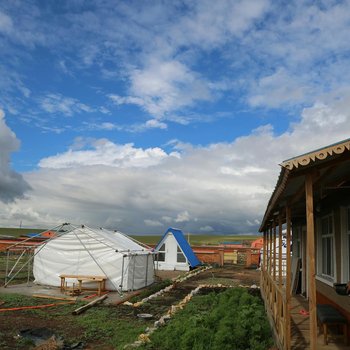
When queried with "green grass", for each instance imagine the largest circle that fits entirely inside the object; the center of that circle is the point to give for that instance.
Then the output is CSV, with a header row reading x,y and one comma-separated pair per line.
x,y
16,232
202,239
102,324
231,320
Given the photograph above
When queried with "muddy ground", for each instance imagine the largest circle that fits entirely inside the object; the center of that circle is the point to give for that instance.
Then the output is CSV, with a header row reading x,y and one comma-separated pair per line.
x,y
14,322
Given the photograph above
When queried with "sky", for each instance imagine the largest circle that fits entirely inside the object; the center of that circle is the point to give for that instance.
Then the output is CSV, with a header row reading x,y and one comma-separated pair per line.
x,y
144,115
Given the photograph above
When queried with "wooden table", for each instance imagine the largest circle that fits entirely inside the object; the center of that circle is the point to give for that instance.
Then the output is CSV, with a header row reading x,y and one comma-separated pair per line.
x,y
101,282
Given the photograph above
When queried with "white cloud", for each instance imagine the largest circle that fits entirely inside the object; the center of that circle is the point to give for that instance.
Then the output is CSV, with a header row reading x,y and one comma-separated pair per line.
x,y
183,217
104,152
152,223
206,229
163,87
6,24
279,89
136,190
58,104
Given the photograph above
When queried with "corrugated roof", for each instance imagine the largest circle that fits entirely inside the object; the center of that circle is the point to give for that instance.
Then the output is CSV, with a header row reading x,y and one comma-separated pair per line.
x,y
185,247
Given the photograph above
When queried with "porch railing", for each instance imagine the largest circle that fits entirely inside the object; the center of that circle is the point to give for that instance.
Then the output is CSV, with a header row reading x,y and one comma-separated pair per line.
x,y
274,295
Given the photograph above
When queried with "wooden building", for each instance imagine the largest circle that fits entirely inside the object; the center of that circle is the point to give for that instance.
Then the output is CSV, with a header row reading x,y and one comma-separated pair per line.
x,y
311,202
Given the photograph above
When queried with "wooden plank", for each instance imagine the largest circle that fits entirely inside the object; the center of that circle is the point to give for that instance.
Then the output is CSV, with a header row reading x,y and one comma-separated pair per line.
x,y
311,254
45,296
87,306
83,276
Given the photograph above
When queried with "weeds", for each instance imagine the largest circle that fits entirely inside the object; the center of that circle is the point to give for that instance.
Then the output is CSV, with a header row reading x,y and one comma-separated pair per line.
x,y
233,320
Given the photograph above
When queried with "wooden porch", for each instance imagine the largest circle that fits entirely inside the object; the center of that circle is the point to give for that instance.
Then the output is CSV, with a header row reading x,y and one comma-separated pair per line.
x,y
291,325
311,189
300,329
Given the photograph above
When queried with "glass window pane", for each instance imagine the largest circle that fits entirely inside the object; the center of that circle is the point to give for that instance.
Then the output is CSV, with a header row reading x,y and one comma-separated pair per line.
x,y
162,248
160,257
181,257
324,224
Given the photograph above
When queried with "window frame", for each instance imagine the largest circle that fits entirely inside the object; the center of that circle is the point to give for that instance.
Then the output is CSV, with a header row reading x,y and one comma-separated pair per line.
x,y
161,253
322,257
179,252
345,240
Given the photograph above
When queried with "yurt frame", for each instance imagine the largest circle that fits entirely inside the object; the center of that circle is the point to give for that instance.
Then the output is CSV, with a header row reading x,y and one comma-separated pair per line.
x,y
28,250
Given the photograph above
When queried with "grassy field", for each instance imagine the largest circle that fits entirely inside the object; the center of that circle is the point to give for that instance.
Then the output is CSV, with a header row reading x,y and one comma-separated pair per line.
x,y
202,239
16,232
151,239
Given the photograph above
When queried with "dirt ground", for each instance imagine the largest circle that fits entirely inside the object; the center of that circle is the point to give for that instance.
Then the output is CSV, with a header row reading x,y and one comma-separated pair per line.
x,y
18,320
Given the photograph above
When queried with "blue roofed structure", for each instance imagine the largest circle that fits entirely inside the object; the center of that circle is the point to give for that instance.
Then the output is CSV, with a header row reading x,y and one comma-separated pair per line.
x,y
174,252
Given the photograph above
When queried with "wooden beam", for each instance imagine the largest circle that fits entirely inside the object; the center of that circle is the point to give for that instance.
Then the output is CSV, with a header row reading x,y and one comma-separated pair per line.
x,y
270,250
87,306
311,254
288,280
274,250
264,264
280,250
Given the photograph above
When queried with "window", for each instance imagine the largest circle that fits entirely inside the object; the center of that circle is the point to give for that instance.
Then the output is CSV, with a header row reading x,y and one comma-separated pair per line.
x,y
161,253
346,245
180,256
326,247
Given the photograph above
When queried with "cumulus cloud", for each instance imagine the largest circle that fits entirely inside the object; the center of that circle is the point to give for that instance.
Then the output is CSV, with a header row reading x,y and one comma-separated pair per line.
x,y
12,184
104,152
223,187
163,87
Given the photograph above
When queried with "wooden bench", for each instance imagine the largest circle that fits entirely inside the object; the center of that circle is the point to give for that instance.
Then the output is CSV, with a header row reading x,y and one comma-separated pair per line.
x,y
328,315
101,282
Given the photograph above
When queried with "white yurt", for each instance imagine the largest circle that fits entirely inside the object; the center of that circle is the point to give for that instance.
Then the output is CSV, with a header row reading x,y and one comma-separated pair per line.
x,y
81,250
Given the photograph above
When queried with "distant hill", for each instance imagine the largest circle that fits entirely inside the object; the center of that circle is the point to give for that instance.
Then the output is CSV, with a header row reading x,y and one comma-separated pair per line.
x,y
16,232
150,239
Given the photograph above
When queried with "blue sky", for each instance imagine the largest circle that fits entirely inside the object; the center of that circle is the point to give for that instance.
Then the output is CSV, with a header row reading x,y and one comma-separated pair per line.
x,y
143,115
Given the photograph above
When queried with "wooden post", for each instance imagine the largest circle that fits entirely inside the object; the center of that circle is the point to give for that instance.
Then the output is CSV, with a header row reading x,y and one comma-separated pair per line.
x,y
288,280
264,262
280,250
274,250
311,253
270,251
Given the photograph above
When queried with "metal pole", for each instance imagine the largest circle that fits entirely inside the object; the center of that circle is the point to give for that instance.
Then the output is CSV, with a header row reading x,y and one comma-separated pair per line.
x,y
7,266
133,273
29,266
146,269
121,282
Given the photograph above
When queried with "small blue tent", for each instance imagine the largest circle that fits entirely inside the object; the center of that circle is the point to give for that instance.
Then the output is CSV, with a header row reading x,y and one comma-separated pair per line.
x,y
174,252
